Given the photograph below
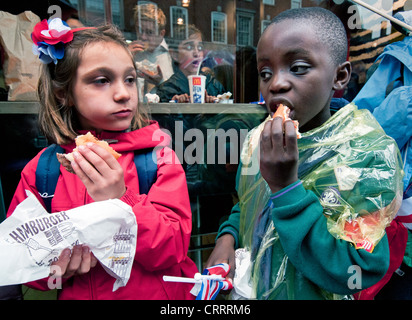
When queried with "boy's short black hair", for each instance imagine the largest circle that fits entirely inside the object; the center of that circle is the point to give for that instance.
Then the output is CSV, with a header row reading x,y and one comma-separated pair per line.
x,y
327,26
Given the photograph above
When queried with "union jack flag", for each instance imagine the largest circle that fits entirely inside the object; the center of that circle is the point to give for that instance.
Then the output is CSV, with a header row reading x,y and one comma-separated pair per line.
x,y
210,288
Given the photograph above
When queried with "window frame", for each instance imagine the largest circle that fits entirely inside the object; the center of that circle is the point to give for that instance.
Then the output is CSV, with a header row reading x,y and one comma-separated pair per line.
x,y
173,16
213,16
247,15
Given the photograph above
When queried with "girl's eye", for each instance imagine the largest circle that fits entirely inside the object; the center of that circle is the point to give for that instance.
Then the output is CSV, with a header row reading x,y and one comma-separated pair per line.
x,y
300,68
131,80
101,81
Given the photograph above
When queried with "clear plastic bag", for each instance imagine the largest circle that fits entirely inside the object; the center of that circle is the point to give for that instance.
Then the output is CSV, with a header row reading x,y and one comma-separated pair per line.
x,y
356,172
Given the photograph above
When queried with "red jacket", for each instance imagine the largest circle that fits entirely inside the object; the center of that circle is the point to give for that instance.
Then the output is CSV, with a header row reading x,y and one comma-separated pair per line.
x,y
163,217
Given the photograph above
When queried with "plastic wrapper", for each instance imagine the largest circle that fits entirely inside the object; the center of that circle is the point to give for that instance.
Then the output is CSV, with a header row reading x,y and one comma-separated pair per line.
x,y
242,287
32,239
354,169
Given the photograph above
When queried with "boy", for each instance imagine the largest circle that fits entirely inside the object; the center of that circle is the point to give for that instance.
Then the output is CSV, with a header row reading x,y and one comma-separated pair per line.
x,y
301,223
188,57
151,47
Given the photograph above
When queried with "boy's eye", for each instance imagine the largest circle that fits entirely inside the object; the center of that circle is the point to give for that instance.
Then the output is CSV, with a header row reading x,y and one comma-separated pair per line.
x,y
300,68
190,47
265,74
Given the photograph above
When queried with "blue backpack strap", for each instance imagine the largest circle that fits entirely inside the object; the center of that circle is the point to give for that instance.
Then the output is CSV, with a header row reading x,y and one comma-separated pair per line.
x,y
146,166
47,174
48,171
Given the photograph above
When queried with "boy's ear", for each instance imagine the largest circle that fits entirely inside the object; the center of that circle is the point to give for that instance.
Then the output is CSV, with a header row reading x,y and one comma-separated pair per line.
x,y
342,77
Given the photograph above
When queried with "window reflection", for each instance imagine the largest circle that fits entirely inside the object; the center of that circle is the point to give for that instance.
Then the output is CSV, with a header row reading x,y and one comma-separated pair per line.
x,y
230,32
232,25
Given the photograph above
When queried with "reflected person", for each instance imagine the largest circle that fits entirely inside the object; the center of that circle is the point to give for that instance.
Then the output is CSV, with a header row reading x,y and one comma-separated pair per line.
x,y
188,59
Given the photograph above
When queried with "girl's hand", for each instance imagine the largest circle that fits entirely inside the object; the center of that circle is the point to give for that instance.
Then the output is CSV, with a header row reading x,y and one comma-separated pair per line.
x,y
100,172
224,252
279,154
77,261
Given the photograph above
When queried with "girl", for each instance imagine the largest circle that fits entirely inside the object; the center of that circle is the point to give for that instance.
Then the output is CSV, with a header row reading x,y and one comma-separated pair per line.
x,y
91,86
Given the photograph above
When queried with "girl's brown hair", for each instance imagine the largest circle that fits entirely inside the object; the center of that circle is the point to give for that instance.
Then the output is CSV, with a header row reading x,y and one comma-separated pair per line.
x,y
57,118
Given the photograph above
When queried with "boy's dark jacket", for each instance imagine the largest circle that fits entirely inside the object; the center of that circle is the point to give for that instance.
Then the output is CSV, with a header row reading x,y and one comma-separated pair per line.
x,y
293,252
178,84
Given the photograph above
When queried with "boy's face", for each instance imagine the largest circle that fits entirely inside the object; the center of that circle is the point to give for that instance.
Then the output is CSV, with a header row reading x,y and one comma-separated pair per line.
x,y
149,34
190,54
296,70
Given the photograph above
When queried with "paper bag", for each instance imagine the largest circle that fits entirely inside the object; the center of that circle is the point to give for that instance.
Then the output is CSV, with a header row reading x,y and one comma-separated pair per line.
x,y
31,239
21,67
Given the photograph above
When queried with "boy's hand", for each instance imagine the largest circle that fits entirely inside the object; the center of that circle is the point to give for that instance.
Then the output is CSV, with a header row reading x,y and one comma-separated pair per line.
x,y
210,99
183,98
224,252
100,172
279,154
151,78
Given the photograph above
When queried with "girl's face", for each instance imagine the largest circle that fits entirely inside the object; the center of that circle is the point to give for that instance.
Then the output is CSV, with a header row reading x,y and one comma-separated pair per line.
x,y
296,70
104,90
190,54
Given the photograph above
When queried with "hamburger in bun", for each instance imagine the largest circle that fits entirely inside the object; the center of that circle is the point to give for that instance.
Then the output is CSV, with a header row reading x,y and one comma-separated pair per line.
x,y
283,112
66,159
147,67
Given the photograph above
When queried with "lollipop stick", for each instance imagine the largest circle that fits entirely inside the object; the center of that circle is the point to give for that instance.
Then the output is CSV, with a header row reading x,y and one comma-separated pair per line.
x,y
180,279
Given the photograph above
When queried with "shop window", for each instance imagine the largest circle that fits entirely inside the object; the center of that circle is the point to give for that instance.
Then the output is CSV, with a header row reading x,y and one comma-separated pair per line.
x,y
244,28
178,16
117,13
219,27
95,5
295,4
264,24
94,12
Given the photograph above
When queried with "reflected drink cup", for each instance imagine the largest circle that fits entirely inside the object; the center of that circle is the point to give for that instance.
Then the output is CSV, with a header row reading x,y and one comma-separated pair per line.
x,y
197,88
